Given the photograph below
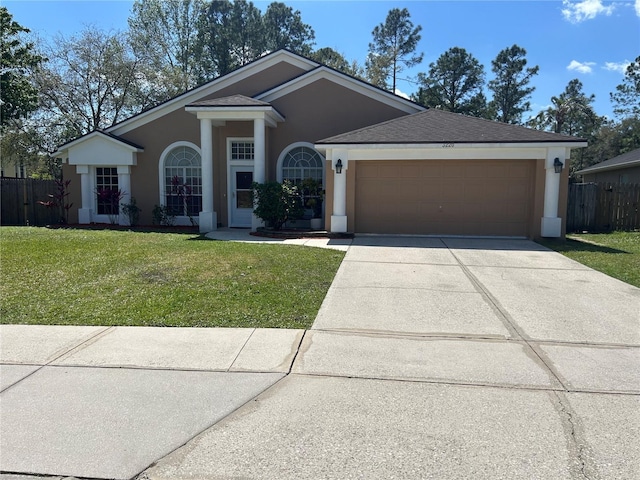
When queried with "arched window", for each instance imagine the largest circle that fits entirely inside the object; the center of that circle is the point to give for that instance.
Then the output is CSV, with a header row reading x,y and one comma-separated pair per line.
x,y
182,175
302,162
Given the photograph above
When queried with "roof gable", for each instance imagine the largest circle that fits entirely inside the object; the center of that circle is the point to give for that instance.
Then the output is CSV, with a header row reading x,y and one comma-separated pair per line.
x,y
99,136
344,80
210,88
440,127
629,159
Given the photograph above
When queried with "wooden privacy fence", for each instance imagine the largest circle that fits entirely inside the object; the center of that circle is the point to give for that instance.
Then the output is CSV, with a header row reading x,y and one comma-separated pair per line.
x,y
603,207
20,205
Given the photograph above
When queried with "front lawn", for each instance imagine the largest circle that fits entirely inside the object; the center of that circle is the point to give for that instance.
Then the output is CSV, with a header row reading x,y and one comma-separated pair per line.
x,y
617,254
104,277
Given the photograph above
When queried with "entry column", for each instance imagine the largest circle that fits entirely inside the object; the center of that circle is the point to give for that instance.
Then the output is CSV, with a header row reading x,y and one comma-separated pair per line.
x,y
84,212
339,165
259,162
208,220
551,223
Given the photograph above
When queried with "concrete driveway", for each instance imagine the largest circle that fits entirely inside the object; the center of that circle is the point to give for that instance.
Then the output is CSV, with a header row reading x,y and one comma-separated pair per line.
x,y
430,358
446,358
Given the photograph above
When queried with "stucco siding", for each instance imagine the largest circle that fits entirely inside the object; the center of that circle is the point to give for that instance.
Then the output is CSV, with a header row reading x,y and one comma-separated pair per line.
x,y
621,175
322,109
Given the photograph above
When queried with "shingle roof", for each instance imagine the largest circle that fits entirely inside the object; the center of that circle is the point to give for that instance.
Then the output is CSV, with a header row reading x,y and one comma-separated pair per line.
x,y
232,101
621,161
437,126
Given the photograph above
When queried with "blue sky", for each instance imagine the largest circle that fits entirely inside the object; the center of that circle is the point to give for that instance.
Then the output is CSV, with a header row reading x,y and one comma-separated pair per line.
x,y
591,40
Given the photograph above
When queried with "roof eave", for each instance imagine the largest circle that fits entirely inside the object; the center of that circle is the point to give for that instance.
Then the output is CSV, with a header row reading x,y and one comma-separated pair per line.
x,y
618,166
445,144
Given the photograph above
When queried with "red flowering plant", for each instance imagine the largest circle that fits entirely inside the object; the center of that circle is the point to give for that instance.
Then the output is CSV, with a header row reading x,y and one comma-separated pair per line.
x,y
59,200
109,203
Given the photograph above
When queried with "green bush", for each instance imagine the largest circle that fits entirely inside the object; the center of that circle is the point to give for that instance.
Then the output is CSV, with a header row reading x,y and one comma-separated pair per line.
x,y
131,211
277,203
163,215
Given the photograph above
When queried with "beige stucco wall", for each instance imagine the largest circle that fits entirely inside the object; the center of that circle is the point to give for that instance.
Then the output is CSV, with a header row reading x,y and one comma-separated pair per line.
x,y
311,113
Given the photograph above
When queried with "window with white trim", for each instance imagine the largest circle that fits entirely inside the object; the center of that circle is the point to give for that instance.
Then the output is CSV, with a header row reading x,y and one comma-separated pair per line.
x,y
107,200
183,181
300,163
242,150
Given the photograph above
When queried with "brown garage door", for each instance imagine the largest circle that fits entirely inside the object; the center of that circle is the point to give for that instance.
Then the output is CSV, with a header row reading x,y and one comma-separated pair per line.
x,y
461,197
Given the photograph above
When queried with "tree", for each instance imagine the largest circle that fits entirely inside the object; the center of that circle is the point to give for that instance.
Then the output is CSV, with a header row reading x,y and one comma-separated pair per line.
x,y
393,48
610,140
18,95
454,83
91,82
166,36
570,113
510,90
331,58
233,36
626,98
284,28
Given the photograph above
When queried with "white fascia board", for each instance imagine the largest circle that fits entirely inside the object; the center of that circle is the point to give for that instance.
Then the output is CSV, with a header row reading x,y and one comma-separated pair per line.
x,y
211,87
441,151
344,81
224,114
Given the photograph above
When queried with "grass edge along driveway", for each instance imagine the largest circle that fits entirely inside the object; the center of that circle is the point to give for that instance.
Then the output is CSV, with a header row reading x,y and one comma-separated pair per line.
x,y
617,254
105,277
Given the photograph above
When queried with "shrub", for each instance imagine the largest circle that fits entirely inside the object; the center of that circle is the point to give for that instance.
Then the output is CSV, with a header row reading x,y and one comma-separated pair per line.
x,y
131,211
59,200
277,203
163,215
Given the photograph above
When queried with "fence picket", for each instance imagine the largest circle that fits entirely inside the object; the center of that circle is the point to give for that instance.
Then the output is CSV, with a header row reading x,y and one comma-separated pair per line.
x,y
20,197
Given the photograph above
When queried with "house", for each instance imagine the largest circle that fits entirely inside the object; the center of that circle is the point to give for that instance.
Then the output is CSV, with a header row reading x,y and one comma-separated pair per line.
x,y
388,165
624,168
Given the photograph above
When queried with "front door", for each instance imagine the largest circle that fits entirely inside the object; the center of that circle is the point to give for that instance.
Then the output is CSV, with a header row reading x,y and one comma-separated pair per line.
x,y
241,196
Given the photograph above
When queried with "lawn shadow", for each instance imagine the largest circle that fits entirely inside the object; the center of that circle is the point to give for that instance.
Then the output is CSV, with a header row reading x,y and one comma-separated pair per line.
x,y
575,245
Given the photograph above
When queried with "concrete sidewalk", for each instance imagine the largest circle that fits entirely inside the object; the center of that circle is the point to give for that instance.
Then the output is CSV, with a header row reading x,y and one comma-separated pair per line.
x,y
106,402
429,358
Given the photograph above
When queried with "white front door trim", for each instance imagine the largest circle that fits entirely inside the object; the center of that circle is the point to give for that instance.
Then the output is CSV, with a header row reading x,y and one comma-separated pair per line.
x,y
232,165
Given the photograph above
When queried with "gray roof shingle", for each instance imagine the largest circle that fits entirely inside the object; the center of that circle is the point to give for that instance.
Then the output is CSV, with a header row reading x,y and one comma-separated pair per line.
x,y
621,161
437,126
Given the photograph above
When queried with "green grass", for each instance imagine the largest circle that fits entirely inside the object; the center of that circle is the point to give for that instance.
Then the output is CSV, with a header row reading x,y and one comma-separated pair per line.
x,y
617,254
103,277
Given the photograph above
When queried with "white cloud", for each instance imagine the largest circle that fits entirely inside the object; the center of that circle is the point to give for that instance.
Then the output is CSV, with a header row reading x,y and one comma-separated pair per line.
x,y
581,67
620,67
401,94
576,12
638,8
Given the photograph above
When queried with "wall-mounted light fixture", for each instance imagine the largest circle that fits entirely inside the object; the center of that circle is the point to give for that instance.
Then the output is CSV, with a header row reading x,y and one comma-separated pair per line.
x,y
557,165
339,166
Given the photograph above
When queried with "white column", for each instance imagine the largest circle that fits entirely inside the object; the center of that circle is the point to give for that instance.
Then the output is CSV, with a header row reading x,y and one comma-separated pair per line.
x,y
551,223
339,216
84,212
124,185
259,161
207,219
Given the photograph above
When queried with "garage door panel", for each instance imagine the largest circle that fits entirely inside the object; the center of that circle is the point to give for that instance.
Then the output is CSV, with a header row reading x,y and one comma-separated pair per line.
x,y
520,171
475,171
444,197
451,170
